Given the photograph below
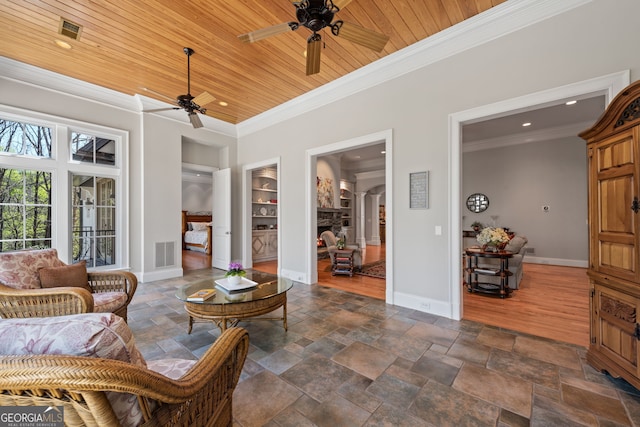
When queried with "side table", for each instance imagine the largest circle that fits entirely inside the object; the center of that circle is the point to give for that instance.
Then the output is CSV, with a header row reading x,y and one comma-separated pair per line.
x,y
475,273
342,262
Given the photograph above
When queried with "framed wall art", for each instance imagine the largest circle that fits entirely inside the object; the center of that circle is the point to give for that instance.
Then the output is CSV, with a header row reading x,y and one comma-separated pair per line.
x,y
419,190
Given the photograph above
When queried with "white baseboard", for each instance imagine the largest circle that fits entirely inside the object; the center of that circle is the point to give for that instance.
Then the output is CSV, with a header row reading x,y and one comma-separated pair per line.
x,y
439,308
159,275
295,275
556,261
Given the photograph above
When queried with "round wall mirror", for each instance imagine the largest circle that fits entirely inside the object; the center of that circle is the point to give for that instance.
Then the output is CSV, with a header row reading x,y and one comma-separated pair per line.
x,y
477,202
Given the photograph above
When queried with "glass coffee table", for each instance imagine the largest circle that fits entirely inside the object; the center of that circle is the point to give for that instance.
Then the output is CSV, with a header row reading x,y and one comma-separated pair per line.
x,y
226,308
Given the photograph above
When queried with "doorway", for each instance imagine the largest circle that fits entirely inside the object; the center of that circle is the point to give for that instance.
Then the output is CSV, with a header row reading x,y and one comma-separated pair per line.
x,y
312,156
197,198
261,216
607,85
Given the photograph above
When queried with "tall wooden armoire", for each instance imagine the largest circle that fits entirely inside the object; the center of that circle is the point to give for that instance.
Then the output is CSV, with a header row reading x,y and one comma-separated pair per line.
x,y
613,151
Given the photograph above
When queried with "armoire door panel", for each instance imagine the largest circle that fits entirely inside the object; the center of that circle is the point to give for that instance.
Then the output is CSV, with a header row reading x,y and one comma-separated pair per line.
x,y
617,317
616,152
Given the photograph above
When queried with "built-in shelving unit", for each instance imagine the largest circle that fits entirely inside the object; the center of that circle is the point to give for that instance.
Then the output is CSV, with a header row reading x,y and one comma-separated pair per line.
x,y
264,212
346,209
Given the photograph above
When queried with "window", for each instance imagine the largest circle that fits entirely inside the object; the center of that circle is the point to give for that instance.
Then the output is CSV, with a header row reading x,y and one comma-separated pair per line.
x,y
62,185
93,219
92,149
25,209
25,139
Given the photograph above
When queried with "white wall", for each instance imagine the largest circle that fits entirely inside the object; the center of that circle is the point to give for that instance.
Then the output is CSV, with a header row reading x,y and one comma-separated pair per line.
x,y
587,42
519,180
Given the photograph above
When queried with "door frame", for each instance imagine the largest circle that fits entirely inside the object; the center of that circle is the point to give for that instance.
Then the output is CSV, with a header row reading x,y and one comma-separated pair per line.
x,y
247,170
311,211
608,85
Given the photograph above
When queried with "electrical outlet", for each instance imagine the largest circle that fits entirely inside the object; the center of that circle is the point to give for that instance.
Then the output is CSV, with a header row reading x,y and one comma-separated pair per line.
x,y
545,208
425,305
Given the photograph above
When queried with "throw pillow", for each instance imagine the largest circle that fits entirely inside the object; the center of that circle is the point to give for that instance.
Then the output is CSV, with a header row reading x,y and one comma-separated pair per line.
x,y
67,275
516,243
200,226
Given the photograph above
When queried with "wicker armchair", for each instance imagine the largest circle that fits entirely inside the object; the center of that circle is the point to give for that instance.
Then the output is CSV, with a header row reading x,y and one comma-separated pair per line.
x,y
88,388
21,294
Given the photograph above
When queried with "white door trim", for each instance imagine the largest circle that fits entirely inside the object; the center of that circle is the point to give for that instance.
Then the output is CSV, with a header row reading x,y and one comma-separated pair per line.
x,y
247,222
311,213
608,85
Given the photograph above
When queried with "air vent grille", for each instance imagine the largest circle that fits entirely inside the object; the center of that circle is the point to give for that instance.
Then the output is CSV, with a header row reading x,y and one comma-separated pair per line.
x,y
69,29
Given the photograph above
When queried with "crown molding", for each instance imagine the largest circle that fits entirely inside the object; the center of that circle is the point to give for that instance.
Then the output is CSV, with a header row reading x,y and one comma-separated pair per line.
x,y
548,134
48,80
496,22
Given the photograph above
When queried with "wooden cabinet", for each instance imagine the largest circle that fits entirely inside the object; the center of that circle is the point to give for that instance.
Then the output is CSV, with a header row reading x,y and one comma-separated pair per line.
x,y
264,245
613,146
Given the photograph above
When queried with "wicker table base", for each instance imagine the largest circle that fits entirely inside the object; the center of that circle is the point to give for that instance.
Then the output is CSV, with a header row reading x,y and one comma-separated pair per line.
x,y
228,315
226,308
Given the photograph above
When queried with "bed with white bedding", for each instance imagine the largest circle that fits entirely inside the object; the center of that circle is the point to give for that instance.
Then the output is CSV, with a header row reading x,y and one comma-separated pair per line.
x,y
196,231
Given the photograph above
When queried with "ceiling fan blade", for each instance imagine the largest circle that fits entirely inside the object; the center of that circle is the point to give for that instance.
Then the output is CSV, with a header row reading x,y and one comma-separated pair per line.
x,y
362,36
195,120
341,4
314,47
203,99
160,109
159,94
263,33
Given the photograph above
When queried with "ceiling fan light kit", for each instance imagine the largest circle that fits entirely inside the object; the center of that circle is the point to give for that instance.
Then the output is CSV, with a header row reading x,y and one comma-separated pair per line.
x,y
317,15
192,105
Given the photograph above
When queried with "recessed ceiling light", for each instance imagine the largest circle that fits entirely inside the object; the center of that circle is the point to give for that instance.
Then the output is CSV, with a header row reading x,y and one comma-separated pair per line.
x,y
383,152
571,102
526,124
62,44
224,104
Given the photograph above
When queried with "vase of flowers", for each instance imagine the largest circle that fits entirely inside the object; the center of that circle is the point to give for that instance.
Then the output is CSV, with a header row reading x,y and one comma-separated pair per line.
x,y
235,273
492,238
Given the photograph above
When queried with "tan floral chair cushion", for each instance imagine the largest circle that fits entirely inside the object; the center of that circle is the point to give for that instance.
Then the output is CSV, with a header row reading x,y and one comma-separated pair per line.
x,y
19,270
101,335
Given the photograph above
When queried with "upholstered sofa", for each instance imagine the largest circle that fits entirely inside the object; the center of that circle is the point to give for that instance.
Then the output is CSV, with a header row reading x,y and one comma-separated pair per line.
x,y
517,245
331,242
89,365
36,283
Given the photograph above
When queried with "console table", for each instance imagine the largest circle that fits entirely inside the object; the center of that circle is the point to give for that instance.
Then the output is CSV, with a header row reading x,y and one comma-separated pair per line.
x,y
475,273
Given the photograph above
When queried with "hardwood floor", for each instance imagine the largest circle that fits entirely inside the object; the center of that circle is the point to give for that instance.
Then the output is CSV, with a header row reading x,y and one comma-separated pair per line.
x,y
193,260
361,285
552,302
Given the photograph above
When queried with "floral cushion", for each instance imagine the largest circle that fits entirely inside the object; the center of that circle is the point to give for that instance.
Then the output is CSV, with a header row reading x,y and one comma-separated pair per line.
x,y
19,270
90,335
108,302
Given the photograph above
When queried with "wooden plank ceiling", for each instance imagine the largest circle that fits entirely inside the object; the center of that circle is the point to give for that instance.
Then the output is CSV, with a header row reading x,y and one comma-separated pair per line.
x,y
128,45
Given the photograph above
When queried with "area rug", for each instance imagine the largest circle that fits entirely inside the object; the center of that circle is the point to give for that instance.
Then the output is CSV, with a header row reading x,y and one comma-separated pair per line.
x,y
374,269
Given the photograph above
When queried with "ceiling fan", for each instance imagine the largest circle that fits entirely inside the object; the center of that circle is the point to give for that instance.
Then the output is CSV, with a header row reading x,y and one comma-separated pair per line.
x,y
316,15
192,105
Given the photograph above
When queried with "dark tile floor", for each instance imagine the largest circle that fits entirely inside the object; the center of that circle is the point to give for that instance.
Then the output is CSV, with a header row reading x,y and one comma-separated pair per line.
x,y
349,360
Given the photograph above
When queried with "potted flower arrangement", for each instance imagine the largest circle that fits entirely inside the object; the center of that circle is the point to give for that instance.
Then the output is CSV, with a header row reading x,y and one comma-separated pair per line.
x,y
493,238
235,273
476,225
